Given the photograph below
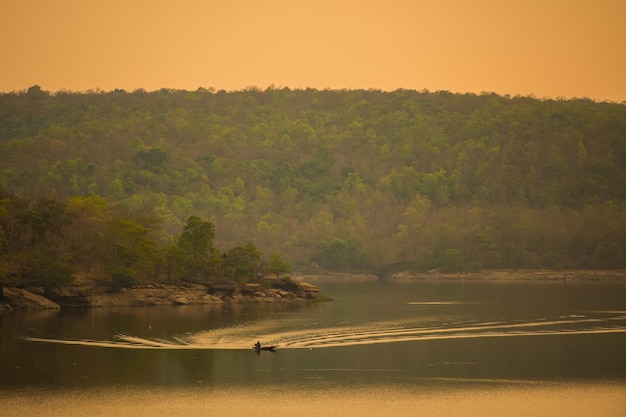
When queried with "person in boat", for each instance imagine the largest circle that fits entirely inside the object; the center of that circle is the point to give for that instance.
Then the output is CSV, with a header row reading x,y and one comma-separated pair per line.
x,y
257,345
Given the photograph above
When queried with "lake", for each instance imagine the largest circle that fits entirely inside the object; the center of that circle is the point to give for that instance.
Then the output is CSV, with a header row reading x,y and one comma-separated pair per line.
x,y
380,348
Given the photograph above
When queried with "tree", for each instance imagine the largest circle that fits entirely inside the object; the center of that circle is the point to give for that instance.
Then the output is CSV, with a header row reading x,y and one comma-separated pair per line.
x,y
278,264
152,160
49,261
134,253
176,262
197,241
339,254
197,237
12,235
242,262
51,272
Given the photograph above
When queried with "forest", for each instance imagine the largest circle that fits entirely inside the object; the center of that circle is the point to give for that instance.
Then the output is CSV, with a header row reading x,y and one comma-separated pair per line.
x,y
113,185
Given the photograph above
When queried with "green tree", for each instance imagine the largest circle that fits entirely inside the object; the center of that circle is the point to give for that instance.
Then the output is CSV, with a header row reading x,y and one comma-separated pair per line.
x,y
49,261
134,253
278,264
152,160
50,272
197,237
340,254
242,262
197,241
176,262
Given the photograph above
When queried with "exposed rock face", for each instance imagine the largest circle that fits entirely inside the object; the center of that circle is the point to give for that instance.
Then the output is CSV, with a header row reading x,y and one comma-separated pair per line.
x,y
22,299
268,291
218,292
300,289
143,295
307,290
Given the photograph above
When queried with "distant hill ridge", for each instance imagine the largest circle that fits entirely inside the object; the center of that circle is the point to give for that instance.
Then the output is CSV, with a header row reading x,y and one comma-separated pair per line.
x,y
339,179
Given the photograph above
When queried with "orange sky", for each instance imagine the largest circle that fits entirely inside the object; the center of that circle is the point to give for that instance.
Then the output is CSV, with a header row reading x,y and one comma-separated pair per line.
x,y
549,48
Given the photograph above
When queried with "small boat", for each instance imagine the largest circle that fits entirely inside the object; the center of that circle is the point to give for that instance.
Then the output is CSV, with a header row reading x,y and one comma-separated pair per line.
x,y
258,348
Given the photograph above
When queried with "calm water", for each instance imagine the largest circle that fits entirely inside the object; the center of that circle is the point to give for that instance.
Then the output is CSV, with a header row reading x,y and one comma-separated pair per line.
x,y
451,348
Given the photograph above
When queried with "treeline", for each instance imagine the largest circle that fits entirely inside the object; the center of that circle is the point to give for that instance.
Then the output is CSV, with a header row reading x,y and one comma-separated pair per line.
x,y
337,179
49,243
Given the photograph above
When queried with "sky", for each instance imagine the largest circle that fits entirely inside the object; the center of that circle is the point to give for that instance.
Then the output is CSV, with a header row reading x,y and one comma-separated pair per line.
x,y
543,48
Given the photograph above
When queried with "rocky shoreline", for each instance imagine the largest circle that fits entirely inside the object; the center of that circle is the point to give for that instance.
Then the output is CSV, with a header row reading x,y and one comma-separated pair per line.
x,y
297,290
92,295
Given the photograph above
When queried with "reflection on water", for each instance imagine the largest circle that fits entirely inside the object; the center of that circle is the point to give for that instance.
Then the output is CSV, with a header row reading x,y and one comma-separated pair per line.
x,y
448,348
439,399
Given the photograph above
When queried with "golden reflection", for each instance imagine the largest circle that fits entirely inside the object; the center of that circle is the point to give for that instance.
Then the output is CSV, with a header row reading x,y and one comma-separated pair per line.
x,y
444,398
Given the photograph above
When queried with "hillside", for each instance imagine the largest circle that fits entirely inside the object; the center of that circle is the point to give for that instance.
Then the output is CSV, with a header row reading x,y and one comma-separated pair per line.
x,y
335,179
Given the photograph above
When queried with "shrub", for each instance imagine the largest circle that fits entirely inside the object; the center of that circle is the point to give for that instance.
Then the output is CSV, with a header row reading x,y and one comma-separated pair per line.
x,y
122,276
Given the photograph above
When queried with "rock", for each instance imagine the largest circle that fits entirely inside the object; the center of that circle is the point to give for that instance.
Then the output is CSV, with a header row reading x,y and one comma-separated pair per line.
x,y
292,291
216,292
157,295
286,294
5,307
181,300
23,299
223,286
251,288
310,290
74,295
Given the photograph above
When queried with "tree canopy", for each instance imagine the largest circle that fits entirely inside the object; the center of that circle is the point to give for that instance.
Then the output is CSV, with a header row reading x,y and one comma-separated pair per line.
x,y
341,179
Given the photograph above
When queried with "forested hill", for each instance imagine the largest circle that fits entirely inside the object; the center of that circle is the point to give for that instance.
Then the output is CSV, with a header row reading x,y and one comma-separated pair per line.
x,y
337,179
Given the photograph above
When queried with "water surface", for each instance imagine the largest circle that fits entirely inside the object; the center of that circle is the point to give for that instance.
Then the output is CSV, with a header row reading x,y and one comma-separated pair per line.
x,y
447,348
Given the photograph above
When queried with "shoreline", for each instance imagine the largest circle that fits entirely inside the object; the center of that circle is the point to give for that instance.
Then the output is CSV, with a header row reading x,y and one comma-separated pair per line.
x,y
486,275
297,290
517,275
94,295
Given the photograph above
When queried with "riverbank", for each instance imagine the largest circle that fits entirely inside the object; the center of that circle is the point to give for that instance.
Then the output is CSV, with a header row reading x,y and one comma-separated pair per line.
x,y
487,275
92,295
515,275
296,290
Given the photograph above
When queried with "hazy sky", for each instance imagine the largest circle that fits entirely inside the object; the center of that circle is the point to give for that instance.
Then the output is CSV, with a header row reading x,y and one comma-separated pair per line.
x,y
549,48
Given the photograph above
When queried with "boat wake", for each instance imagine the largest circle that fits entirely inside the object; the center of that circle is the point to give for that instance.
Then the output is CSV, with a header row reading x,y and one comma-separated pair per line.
x,y
275,334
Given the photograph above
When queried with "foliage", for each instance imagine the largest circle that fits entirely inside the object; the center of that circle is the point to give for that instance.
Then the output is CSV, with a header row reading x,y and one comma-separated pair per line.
x,y
122,276
278,265
340,254
124,250
49,273
349,179
197,243
242,262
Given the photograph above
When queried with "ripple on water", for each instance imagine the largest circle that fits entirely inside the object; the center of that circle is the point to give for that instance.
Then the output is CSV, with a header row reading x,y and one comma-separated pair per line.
x,y
244,337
